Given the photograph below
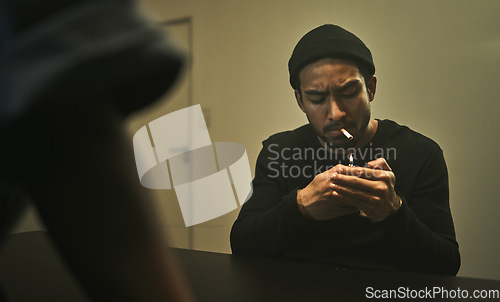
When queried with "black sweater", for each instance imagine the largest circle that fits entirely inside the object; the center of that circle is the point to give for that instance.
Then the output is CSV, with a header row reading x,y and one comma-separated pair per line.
x,y
420,236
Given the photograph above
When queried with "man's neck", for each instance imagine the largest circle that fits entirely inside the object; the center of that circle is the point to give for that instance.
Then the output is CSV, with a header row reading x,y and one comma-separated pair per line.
x,y
370,131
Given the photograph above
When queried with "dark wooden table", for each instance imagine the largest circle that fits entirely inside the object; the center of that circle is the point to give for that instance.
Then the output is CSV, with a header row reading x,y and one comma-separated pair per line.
x,y
31,270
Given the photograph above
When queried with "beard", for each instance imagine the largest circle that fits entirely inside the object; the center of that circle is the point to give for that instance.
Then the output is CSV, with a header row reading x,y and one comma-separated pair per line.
x,y
343,142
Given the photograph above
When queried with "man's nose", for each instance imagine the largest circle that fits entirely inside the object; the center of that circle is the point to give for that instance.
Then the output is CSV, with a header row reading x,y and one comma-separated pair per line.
x,y
335,111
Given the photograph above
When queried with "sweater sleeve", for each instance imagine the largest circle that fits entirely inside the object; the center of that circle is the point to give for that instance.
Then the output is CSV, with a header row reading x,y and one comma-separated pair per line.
x,y
269,219
422,230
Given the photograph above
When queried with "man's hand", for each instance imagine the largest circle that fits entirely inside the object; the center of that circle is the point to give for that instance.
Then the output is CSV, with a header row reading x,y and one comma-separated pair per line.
x,y
318,201
370,189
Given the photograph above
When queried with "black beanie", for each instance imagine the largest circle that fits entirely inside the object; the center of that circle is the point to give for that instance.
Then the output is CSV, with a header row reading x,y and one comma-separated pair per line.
x,y
328,41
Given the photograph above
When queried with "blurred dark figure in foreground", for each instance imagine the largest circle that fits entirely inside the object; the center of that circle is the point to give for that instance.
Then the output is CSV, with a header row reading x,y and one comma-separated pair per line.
x,y
70,71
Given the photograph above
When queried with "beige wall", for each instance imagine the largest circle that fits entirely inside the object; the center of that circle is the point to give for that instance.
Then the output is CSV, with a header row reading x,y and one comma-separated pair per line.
x,y
438,69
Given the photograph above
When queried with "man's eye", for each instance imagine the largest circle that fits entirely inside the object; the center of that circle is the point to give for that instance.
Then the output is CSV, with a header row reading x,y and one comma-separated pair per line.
x,y
317,102
349,95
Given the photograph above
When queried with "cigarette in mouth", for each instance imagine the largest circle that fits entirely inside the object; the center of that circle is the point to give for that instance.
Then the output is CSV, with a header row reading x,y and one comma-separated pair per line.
x,y
347,134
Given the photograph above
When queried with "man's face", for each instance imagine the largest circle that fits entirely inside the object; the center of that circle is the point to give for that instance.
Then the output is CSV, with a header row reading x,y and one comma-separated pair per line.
x,y
334,96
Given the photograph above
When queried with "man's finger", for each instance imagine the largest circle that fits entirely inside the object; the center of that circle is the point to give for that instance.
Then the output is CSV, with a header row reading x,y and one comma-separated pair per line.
x,y
361,172
379,163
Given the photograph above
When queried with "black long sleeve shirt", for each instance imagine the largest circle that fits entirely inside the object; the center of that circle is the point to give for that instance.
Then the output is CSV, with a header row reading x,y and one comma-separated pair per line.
x,y
420,236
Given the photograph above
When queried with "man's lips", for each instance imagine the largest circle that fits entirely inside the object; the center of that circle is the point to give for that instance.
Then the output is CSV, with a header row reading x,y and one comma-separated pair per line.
x,y
334,132
337,131
332,128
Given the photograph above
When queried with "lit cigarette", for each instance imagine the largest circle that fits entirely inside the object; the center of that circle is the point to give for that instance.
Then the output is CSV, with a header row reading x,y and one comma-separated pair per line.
x,y
351,160
347,134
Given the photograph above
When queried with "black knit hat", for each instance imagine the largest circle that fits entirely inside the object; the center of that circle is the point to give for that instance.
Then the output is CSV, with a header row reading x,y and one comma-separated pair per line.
x,y
328,41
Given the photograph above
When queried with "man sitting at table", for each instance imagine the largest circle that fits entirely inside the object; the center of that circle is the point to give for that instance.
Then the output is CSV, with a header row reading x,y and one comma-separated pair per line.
x,y
385,208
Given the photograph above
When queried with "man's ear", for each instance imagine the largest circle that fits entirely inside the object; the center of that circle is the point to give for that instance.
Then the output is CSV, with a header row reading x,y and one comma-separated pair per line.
x,y
298,97
372,87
